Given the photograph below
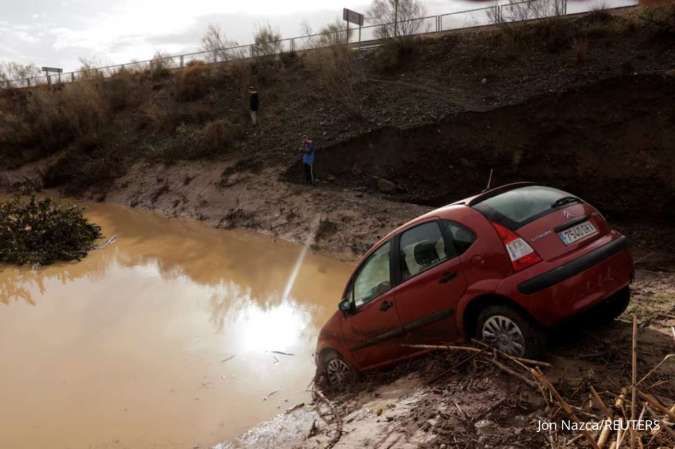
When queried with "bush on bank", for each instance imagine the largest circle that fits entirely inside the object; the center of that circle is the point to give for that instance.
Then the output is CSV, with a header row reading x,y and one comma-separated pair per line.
x,y
41,232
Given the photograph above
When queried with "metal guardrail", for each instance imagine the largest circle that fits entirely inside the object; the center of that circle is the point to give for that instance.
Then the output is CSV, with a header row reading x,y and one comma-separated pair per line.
x,y
361,37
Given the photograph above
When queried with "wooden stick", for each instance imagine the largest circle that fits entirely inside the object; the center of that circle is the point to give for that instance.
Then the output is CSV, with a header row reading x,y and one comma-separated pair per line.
x,y
601,403
651,400
604,434
473,349
661,426
563,404
447,347
633,379
665,359
620,400
519,360
508,370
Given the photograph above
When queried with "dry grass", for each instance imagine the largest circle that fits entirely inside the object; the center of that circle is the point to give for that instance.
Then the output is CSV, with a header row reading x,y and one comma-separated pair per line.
x,y
395,53
53,118
337,73
193,82
198,142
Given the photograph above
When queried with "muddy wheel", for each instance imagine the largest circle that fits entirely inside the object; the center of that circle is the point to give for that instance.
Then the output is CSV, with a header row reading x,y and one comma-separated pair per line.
x,y
337,371
613,307
509,331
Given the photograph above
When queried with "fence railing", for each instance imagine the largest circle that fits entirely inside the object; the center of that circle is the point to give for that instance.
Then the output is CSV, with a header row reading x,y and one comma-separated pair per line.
x,y
362,37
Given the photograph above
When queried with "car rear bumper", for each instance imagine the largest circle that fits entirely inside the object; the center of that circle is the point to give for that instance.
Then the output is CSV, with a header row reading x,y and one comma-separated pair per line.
x,y
572,286
573,268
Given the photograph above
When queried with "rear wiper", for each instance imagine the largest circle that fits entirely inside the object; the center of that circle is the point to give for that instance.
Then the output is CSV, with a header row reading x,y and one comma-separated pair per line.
x,y
565,200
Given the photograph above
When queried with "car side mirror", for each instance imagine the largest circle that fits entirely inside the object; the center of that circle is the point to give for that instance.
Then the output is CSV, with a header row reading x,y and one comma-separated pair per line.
x,y
347,306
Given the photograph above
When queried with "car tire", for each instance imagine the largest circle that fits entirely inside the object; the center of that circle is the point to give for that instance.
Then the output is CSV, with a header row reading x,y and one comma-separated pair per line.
x,y
510,331
613,307
336,371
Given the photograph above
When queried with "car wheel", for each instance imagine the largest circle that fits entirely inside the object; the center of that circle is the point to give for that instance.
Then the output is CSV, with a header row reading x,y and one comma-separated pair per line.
x,y
613,307
337,371
509,331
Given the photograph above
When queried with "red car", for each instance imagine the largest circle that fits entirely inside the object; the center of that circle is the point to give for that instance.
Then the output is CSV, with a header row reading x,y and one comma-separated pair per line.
x,y
502,266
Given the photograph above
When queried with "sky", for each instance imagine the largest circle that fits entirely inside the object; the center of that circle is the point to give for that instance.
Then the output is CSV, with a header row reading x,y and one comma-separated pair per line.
x,y
58,33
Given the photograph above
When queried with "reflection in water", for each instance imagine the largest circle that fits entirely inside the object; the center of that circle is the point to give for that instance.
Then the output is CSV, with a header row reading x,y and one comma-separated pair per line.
x,y
252,325
162,340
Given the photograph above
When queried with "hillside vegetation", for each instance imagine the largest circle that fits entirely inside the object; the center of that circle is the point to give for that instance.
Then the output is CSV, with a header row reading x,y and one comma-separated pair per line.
x,y
391,99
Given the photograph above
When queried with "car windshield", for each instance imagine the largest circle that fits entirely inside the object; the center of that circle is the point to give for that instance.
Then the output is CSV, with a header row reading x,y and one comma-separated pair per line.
x,y
517,207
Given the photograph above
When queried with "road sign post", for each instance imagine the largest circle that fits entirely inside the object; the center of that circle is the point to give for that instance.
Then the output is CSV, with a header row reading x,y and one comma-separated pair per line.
x,y
49,70
354,17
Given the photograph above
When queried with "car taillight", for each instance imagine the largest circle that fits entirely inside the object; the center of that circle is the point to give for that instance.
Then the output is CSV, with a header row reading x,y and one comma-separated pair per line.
x,y
522,255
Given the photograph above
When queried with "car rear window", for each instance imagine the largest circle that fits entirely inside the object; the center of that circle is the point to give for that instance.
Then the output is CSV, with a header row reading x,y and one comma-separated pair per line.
x,y
515,208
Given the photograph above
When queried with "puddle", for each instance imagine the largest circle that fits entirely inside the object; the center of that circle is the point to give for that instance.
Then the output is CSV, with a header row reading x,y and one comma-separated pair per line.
x,y
163,339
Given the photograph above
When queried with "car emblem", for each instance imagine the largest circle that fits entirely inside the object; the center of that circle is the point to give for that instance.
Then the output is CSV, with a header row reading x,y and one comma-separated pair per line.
x,y
566,214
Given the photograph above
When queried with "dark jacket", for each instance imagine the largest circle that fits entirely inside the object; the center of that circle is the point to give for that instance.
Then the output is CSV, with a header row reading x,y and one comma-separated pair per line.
x,y
308,153
254,101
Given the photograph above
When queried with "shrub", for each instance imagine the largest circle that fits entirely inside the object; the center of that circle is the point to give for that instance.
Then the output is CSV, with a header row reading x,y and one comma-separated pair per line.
x,y
41,232
192,142
215,42
192,82
395,52
54,118
12,71
267,43
84,166
118,90
220,134
160,66
333,34
599,15
84,106
386,13
661,18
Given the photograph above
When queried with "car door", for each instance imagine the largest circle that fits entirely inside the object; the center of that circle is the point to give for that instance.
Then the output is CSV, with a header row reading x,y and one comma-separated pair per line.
x,y
373,330
428,270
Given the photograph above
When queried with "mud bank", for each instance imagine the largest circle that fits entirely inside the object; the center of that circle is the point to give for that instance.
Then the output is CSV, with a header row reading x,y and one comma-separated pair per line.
x,y
349,221
611,142
452,400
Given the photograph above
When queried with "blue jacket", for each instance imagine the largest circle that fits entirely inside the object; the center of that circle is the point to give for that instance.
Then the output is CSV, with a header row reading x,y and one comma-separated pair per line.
x,y
308,157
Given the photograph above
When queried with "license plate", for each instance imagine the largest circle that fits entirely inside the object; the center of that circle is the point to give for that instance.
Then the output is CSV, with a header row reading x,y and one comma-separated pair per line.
x,y
578,232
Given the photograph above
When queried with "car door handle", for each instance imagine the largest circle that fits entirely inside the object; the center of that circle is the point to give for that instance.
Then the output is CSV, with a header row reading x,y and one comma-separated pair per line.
x,y
386,305
447,277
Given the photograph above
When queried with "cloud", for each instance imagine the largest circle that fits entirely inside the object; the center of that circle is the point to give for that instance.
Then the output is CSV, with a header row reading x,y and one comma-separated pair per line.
x,y
58,33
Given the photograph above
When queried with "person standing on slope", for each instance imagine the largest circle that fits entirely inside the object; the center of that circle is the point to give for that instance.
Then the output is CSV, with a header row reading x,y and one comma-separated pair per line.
x,y
308,155
253,104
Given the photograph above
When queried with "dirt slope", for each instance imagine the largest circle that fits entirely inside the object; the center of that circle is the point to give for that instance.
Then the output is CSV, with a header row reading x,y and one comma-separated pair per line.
x,y
612,142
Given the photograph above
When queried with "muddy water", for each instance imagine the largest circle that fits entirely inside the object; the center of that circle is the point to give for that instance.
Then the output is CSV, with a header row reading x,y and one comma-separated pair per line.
x,y
163,339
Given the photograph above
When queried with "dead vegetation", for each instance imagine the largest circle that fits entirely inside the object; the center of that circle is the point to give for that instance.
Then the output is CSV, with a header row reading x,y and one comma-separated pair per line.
x,y
475,396
330,92
41,232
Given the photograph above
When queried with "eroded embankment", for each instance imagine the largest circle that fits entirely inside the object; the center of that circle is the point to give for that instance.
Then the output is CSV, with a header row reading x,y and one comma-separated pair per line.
x,y
612,142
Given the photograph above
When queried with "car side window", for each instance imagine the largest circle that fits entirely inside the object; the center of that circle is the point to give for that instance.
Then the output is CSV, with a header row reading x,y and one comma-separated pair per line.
x,y
422,247
462,237
374,278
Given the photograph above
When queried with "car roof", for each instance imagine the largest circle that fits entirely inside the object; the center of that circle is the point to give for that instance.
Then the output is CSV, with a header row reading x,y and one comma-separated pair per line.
x,y
444,211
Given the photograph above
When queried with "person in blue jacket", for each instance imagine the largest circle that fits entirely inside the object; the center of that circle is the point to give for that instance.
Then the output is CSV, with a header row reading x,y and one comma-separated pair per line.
x,y
308,155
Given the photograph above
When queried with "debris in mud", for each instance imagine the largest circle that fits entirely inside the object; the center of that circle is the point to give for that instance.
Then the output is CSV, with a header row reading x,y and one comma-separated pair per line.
x,y
460,398
288,354
41,232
